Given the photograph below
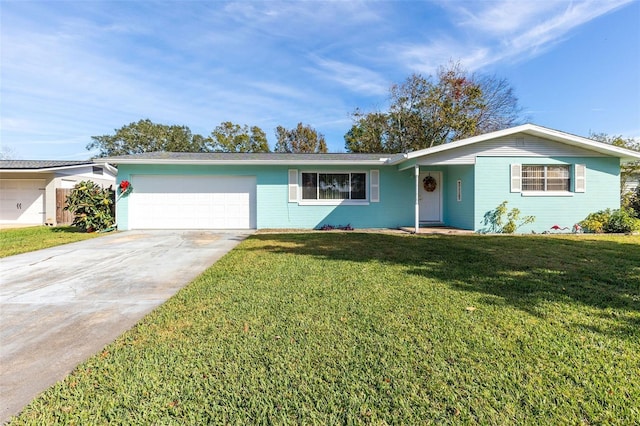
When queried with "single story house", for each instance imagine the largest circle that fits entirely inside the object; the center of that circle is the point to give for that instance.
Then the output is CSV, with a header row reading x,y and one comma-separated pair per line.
x,y
33,192
557,177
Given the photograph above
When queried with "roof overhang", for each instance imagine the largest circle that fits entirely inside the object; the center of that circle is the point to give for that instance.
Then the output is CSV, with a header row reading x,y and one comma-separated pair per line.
x,y
49,169
625,155
193,162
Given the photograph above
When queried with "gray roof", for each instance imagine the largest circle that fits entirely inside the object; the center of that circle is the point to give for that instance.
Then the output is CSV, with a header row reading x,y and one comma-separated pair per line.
x,y
243,156
40,164
238,158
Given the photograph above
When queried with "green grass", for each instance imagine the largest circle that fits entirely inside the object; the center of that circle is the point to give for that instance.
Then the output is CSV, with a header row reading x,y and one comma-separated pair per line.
x,y
349,328
23,240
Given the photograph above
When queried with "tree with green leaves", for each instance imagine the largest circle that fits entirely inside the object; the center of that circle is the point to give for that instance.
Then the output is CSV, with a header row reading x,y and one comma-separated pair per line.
x,y
368,134
230,137
302,139
427,111
146,136
627,170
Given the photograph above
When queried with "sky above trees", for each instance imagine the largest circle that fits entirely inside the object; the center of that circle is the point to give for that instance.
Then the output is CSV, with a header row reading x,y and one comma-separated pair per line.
x,y
72,70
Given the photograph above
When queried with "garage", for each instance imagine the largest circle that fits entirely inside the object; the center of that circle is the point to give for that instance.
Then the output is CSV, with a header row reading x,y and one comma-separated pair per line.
x,y
22,201
192,202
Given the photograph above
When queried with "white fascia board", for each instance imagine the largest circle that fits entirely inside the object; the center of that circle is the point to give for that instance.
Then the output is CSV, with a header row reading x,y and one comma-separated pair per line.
x,y
397,158
46,169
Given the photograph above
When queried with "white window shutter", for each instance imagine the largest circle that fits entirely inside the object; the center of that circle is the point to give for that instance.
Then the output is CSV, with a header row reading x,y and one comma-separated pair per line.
x,y
580,171
293,185
516,178
374,186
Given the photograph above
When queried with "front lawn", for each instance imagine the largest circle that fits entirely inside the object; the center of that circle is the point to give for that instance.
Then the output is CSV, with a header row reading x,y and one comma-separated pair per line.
x,y
351,328
23,240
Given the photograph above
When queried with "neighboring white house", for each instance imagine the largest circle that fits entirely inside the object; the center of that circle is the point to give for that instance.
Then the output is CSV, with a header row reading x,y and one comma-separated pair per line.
x,y
33,192
632,182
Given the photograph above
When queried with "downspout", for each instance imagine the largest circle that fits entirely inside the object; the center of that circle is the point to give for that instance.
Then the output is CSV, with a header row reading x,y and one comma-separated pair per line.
x,y
417,208
114,170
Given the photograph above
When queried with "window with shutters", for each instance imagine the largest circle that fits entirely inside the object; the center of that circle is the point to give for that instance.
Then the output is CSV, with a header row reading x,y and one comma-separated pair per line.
x,y
546,178
335,187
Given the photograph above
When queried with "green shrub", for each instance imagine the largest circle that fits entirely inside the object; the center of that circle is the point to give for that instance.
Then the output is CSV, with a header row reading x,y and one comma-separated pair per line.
x,y
596,222
611,221
622,221
504,221
92,206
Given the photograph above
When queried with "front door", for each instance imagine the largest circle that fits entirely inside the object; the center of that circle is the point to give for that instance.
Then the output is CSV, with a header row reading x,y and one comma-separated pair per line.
x,y
430,197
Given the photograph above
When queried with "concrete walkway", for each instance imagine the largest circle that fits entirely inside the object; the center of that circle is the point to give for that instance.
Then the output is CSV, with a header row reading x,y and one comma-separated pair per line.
x,y
60,305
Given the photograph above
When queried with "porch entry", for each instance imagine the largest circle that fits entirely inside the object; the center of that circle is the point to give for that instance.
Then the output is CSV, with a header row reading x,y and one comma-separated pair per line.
x,y
430,196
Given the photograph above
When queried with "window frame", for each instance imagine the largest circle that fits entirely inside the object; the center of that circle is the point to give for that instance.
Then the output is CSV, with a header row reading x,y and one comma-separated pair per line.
x,y
545,180
338,201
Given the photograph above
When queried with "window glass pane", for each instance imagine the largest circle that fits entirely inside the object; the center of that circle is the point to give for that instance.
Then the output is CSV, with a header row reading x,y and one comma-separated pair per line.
x,y
333,186
358,186
309,186
533,178
546,178
558,178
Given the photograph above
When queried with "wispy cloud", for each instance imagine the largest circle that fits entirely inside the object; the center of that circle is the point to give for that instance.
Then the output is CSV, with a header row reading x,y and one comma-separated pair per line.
x,y
502,31
71,70
353,77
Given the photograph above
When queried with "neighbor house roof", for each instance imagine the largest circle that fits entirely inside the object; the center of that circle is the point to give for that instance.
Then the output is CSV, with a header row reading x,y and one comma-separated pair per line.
x,y
40,165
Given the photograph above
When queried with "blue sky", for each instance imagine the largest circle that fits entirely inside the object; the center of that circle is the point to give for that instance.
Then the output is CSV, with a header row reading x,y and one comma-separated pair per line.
x,y
74,69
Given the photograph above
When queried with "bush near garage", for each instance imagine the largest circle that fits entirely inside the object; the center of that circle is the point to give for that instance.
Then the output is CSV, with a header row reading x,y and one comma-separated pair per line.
x,y
92,206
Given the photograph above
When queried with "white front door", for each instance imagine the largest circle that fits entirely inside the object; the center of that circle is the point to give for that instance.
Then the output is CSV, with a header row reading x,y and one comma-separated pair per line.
x,y
430,197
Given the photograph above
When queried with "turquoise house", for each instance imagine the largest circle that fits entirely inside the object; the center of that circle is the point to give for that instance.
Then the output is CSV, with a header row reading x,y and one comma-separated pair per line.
x,y
557,177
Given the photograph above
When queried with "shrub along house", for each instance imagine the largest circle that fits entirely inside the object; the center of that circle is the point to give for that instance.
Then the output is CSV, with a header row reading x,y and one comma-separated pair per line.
x,y
557,177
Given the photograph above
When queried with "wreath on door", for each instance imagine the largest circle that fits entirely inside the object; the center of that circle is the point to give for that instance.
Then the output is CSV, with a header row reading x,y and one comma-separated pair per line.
x,y
429,183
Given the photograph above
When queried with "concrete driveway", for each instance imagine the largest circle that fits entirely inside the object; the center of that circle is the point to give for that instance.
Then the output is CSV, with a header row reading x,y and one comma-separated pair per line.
x,y
59,306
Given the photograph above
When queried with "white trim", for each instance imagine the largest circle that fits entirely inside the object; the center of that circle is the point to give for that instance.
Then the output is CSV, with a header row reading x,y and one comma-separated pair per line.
x,y
546,194
333,203
50,169
374,186
293,185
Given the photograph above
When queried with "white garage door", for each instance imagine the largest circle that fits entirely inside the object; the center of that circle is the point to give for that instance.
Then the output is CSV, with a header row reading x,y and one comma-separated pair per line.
x,y
192,202
22,201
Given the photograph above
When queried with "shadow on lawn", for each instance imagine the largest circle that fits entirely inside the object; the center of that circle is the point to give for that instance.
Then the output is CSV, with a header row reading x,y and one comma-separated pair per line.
x,y
522,271
67,230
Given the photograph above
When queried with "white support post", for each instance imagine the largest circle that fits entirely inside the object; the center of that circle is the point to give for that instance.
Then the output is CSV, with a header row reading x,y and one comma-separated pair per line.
x,y
417,209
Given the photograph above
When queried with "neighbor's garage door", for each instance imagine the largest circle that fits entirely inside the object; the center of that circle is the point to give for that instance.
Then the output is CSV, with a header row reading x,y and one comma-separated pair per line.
x,y
22,201
192,202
